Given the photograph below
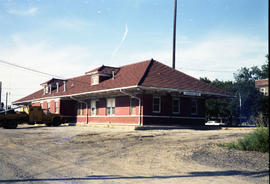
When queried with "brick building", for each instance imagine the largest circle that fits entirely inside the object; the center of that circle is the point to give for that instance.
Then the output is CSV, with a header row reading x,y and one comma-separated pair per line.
x,y
263,86
142,93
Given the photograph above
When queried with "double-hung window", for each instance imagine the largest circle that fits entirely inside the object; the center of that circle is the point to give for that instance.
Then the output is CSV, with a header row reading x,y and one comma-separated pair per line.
x,y
56,107
156,104
133,106
194,107
49,106
110,110
94,80
175,105
80,108
94,107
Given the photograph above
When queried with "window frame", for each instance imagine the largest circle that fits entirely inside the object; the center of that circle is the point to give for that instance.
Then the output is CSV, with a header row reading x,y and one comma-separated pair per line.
x,y
110,105
179,106
94,102
130,106
94,80
159,104
80,109
56,108
196,103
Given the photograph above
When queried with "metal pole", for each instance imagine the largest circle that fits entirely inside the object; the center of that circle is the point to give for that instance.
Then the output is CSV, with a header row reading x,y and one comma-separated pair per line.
x,y
0,91
6,100
240,105
174,33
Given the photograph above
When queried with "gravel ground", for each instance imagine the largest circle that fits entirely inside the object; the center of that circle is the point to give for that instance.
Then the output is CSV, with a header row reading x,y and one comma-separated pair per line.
x,y
64,154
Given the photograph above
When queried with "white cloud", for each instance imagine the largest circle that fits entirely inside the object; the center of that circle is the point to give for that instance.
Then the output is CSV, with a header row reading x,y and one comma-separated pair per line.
x,y
29,11
67,61
222,53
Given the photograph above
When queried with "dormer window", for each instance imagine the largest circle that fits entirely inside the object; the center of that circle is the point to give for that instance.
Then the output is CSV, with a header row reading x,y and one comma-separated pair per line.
x,y
46,89
53,86
94,79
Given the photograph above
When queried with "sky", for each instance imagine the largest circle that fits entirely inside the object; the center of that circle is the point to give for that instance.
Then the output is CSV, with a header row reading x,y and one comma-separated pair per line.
x,y
66,38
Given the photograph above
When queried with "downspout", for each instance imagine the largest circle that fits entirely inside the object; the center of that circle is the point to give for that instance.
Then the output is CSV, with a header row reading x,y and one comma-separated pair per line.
x,y
85,104
125,93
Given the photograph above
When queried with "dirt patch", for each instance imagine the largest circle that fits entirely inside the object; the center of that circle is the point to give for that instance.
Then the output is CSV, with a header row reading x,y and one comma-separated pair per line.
x,y
86,154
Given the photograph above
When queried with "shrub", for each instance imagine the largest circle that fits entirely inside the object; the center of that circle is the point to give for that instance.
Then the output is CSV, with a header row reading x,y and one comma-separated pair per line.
x,y
258,140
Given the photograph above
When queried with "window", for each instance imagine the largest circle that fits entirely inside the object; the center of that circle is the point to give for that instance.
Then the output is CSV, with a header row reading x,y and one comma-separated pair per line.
x,y
132,106
94,80
56,107
41,105
263,90
94,107
194,107
49,106
110,106
46,89
80,108
156,104
176,106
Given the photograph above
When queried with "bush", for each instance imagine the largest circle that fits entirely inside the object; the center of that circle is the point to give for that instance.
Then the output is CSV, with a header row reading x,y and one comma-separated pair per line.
x,y
258,140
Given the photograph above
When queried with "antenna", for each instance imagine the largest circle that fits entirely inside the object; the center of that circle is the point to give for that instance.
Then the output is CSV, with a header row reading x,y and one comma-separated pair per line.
x,y
174,33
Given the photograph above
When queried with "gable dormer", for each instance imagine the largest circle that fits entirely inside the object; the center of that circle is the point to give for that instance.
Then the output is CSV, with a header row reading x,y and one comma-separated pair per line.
x,y
102,73
52,85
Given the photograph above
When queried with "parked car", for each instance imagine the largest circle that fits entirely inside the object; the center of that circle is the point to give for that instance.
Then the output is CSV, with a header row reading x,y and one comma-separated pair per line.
x,y
213,122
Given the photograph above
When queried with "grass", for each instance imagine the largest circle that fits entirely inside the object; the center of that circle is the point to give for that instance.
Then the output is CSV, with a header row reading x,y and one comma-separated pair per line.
x,y
258,140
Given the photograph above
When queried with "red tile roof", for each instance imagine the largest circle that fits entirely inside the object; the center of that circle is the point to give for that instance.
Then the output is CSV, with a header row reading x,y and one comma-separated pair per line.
x,y
148,73
261,83
104,70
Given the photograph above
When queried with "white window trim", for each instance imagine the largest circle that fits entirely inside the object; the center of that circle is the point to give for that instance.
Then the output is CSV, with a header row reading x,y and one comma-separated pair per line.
x,y
159,104
94,79
108,99
56,108
179,110
91,105
196,102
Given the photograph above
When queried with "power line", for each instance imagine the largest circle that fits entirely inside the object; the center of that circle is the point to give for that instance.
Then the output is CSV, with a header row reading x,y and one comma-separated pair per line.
x,y
29,69
202,70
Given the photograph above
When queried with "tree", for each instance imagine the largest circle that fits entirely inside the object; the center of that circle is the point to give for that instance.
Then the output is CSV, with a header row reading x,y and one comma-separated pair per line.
x,y
252,101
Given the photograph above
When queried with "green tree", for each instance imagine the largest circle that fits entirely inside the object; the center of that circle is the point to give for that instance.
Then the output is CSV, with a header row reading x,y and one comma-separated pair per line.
x,y
252,101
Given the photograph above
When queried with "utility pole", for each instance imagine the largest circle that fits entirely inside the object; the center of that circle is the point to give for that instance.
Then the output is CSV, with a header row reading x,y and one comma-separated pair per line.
x,y
174,34
0,91
6,100
240,107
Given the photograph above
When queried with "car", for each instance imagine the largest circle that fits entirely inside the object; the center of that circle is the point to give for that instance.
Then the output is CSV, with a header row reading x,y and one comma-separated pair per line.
x,y
212,122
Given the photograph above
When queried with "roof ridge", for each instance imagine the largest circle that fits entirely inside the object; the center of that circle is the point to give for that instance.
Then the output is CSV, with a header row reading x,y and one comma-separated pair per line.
x,y
136,63
146,71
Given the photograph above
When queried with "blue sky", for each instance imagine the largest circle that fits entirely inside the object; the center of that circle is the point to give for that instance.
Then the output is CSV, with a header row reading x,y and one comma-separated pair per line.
x,y
68,37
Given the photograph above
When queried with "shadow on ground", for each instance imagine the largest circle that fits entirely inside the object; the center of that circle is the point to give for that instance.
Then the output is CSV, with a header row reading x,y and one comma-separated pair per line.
x,y
255,174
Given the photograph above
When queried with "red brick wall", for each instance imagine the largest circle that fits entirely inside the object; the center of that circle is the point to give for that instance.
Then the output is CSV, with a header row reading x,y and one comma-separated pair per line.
x,y
109,119
68,109
166,114
36,104
122,111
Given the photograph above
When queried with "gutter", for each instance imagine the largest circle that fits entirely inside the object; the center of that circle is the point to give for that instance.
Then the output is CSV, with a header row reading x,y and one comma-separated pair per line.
x,y
85,104
125,93
129,87
78,94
